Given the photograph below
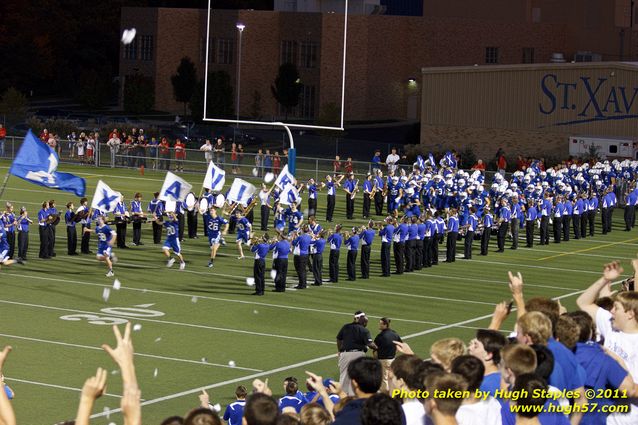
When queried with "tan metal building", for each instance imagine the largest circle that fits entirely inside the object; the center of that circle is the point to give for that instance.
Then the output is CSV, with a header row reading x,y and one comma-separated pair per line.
x,y
527,109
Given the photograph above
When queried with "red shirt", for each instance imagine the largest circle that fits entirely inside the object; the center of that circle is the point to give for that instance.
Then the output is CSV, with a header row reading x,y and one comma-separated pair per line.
x,y
478,166
337,166
180,151
3,133
164,147
348,166
501,163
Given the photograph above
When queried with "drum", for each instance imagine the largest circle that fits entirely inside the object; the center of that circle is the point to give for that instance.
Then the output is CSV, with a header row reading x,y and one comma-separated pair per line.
x,y
220,200
203,205
190,201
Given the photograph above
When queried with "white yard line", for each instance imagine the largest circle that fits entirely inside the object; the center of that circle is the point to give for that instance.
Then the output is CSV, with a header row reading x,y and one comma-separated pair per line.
x,y
59,387
169,322
153,356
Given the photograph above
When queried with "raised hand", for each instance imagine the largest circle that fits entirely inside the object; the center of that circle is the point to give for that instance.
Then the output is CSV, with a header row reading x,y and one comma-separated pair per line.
x,y
123,352
403,347
516,283
3,355
204,399
613,270
95,386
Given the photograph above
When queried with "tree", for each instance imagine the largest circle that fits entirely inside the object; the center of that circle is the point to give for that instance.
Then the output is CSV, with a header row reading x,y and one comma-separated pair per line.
x,y
139,94
219,101
93,89
184,81
13,105
255,107
287,87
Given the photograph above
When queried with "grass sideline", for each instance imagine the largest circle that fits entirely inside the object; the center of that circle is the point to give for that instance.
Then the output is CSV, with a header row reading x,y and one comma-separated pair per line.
x,y
196,321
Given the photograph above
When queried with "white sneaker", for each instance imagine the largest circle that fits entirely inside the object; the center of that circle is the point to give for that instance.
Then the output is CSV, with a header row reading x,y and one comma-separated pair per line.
x,y
241,258
182,266
113,259
110,273
170,262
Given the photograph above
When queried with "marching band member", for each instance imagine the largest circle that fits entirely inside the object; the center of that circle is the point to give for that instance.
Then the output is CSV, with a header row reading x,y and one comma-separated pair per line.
x,y
429,238
367,237
557,221
260,248
504,218
172,241
516,220
156,209
400,235
350,187
488,222
23,235
531,215
568,209
280,251
137,216
316,248
387,236
410,243
438,236
82,214
352,244
452,235
546,210
264,202
330,197
378,192
53,220
43,216
71,234
302,242
121,217
470,230
4,250
105,240
217,226
312,197
9,222
335,240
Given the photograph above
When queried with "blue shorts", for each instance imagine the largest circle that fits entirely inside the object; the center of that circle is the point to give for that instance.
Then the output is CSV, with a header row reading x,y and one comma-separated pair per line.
x,y
242,237
280,227
214,240
172,244
104,251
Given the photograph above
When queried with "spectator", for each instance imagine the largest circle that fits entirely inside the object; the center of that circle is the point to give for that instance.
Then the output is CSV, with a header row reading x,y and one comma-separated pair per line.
x,y
392,160
291,399
521,163
475,409
405,375
44,136
336,165
444,351
90,148
276,164
202,416
480,165
207,148
180,155
487,346
314,414
381,409
439,407
348,166
72,139
114,146
234,158
261,409
219,150
365,375
240,156
3,136
501,163
376,161
164,153
527,385
386,349
267,162
152,151
259,162
81,143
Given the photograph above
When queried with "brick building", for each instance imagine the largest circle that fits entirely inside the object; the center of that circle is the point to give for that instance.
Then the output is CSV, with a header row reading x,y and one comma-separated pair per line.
x,y
385,54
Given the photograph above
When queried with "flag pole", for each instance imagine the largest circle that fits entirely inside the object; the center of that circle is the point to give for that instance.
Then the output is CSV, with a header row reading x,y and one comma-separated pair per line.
x,y
4,182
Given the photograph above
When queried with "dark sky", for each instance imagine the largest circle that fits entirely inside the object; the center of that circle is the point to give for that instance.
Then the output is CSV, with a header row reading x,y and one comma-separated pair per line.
x,y
46,45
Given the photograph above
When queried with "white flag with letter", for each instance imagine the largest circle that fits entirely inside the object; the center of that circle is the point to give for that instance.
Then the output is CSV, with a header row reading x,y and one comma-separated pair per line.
x,y
241,191
215,178
175,188
285,178
289,196
105,199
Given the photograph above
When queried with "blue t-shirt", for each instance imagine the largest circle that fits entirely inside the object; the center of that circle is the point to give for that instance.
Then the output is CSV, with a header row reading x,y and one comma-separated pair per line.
x,y
367,236
318,245
353,243
172,229
291,401
215,225
335,241
243,227
509,418
303,241
260,250
573,373
280,249
294,218
235,412
491,383
104,235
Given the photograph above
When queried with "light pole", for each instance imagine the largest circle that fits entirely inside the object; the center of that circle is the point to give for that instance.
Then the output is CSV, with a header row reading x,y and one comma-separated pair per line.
x,y
240,28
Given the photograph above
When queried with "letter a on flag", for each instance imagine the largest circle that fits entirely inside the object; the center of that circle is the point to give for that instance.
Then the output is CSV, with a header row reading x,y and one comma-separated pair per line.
x,y
175,188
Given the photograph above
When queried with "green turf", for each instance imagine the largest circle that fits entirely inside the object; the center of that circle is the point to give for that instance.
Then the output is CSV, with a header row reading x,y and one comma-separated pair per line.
x,y
205,318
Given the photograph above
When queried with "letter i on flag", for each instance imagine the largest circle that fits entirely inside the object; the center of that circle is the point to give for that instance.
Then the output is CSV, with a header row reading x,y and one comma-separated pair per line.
x,y
175,188
215,178
105,199
241,191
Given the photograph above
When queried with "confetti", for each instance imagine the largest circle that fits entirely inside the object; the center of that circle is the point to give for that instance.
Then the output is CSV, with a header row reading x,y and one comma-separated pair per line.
x,y
112,423
117,285
255,172
204,360
250,281
255,312
115,372
269,177
128,35
231,363
137,327
107,412
217,408
194,299
106,294
155,372
158,339
273,274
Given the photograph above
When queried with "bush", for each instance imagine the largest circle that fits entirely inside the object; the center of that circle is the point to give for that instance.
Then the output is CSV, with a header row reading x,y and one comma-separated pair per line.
x,y
139,94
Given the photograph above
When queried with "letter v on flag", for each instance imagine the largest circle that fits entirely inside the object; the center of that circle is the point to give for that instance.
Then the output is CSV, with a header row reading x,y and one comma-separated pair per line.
x,y
105,199
175,188
215,178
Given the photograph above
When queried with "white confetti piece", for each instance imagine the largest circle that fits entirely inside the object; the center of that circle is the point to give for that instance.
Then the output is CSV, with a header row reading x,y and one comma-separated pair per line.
x,y
158,339
250,281
115,372
155,372
204,360
106,294
137,327
194,299
231,363
273,274
269,177
255,312
117,285
107,412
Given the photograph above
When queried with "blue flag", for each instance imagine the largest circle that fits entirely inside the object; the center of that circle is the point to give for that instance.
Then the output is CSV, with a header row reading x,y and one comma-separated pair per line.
x,y
37,163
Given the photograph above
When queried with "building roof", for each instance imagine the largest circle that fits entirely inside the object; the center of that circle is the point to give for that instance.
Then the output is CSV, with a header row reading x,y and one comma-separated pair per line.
x,y
629,66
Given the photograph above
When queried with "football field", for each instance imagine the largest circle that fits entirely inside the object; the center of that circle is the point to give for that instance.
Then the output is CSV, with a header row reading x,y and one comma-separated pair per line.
x,y
201,327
